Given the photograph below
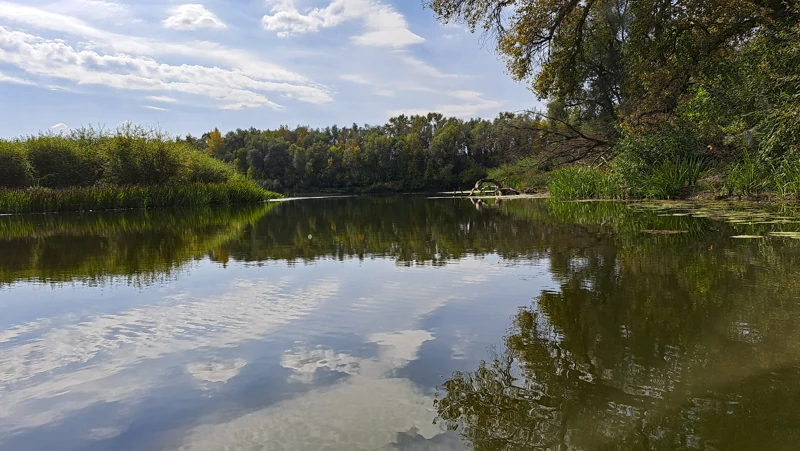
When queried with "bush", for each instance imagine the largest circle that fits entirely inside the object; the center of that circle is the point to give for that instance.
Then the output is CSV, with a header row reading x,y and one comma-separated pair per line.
x,y
660,164
135,156
200,168
524,174
60,162
15,170
579,182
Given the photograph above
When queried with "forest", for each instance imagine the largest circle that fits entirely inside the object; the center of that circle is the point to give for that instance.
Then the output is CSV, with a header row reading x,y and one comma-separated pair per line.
x,y
406,154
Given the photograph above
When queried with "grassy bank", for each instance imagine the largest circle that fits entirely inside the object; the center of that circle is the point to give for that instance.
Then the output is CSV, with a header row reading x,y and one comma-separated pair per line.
x,y
672,163
130,167
42,200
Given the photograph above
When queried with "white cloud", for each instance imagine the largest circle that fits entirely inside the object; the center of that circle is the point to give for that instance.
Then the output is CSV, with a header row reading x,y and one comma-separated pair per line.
x,y
423,68
355,78
191,17
472,103
14,80
164,99
385,27
230,88
383,92
157,108
102,40
60,127
91,9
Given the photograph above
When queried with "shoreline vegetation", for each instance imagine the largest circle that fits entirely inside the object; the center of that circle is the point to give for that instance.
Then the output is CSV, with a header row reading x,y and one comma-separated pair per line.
x,y
128,168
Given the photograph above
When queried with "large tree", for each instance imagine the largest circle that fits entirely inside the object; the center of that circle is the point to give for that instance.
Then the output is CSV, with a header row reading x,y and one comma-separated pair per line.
x,y
627,61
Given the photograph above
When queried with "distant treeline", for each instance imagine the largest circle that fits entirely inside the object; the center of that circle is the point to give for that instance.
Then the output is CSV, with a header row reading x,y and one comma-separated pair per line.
x,y
407,153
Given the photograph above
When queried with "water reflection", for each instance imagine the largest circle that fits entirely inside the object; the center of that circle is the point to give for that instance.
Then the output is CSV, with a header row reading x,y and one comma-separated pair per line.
x,y
666,342
206,329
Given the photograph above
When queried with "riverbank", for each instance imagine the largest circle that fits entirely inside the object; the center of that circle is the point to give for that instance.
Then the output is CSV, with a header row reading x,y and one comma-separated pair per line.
x,y
131,167
47,200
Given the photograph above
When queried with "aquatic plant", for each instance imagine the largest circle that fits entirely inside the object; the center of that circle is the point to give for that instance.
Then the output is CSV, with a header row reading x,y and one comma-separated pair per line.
x,y
40,200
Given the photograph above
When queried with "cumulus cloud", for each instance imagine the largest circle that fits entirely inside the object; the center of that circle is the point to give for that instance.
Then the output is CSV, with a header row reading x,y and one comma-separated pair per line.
x,y
385,27
223,61
60,127
191,17
230,88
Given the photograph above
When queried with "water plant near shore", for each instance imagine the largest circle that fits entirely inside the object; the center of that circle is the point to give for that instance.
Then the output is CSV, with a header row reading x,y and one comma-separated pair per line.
x,y
42,200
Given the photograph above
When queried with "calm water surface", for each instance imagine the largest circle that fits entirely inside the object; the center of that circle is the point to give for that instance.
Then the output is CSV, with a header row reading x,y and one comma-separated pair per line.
x,y
401,324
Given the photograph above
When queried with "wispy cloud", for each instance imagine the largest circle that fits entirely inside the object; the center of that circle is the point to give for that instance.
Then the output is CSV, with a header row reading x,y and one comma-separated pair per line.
x,y
91,9
355,78
14,80
191,17
471,104
423,68
157,108
385,27
164,99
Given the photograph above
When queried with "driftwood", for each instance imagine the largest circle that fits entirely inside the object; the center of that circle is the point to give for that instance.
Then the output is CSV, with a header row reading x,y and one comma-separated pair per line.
x,y
498,188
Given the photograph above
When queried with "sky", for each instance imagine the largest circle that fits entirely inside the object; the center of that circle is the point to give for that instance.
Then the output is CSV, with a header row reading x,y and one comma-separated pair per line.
x,y
190,67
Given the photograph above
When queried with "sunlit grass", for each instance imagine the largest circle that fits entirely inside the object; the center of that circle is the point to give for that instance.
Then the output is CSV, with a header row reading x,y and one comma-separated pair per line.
x,y
41,200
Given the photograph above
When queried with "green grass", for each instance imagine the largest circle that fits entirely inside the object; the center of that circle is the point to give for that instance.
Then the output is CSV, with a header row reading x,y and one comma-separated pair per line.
x,y
131,167
42,200
580,182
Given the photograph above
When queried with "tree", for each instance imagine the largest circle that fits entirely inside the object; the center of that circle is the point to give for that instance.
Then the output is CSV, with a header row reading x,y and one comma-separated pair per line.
x,y
214,144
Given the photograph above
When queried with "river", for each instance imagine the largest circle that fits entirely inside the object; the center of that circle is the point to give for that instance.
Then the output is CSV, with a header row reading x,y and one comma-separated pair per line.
x,y
402,323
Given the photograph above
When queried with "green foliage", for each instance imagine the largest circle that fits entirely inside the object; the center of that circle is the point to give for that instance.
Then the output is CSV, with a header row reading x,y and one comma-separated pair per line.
x,y
428,152
579,182
40,200
91,169
15,169
136,156
748,176
60,161
524,174
660,164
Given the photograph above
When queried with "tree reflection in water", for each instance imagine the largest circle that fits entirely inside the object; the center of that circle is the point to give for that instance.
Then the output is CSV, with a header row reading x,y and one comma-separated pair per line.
x,y
650,343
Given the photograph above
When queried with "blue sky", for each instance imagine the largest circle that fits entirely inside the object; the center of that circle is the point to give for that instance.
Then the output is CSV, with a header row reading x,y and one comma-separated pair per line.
x,y
190,67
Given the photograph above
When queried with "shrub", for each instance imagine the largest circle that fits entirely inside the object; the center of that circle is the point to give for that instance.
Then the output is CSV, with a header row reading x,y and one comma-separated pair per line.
x,y
200,168
660,164
524,174
15,170
135,156
59,162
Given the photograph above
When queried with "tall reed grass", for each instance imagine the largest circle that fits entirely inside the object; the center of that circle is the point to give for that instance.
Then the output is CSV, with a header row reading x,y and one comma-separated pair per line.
x,y
42,200
580,182
131,167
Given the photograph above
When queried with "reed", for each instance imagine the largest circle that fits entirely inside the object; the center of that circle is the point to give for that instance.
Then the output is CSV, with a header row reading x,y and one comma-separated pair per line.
x,y
44,200
580,182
